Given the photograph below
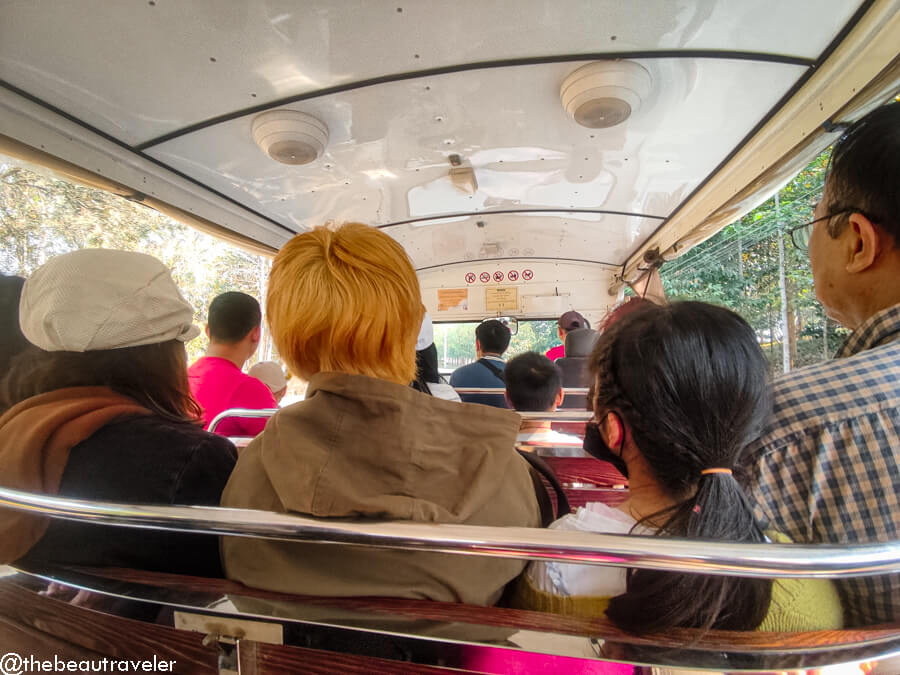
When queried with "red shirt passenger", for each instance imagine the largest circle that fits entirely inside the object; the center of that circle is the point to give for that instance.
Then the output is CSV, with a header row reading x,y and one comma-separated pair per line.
x,y
216,380
218,384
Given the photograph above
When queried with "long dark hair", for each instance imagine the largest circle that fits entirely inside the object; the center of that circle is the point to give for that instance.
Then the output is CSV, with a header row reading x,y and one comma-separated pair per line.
x,y
153,375
427,369
690,381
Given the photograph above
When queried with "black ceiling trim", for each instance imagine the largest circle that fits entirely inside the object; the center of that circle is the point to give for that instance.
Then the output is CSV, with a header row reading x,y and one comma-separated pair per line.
x,y
480,65
137,151
479,261
467,214
769,115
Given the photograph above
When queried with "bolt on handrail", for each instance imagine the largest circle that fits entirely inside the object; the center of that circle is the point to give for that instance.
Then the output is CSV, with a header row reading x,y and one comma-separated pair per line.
x,y
659,553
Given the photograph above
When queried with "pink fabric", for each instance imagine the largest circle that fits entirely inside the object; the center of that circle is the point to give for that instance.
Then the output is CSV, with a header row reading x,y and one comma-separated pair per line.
x,y
557,352
218,385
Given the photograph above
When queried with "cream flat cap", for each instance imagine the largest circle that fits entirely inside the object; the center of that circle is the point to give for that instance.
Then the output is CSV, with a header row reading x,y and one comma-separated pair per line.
x,y
96,299
270,373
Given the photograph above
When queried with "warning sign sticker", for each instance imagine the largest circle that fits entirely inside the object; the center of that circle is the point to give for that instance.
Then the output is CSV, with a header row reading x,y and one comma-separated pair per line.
x,y
485,277
498,276
470,277
512,275
452,299
527,275
501,299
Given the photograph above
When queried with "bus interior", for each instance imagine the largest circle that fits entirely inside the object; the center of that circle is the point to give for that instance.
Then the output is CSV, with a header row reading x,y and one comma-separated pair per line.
x,y
531,157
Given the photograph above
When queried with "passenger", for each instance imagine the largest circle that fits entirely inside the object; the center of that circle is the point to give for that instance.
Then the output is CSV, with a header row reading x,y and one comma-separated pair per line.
x,y
216,379
826,468
12,342
534,384
679,392
344,307
428,378
271,374
491,341
570,320
103,411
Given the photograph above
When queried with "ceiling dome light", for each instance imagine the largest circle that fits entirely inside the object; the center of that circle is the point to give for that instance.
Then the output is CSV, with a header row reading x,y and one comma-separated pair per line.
x,y
290,136
604,93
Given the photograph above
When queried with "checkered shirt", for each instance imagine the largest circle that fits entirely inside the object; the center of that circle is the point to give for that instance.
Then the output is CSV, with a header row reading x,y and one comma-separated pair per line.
x,y
826,467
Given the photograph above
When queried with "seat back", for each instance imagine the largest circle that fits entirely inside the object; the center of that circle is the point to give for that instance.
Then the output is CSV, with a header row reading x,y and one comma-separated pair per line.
x,y
579,344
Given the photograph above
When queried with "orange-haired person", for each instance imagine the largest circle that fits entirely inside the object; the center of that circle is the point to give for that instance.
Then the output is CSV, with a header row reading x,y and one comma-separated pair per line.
x,y
344,308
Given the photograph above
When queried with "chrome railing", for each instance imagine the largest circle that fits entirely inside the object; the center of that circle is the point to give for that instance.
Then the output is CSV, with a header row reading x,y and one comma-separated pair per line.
x,y
240,413
248,413
499,390
659,553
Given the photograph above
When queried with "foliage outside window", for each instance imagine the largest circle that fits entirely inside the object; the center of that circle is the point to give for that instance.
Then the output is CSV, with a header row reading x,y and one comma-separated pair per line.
x,y
42,216
740,266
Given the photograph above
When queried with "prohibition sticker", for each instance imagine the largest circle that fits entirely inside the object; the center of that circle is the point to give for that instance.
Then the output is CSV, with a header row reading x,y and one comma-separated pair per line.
x,y
527,275
485,277
498,276
470,277
512,275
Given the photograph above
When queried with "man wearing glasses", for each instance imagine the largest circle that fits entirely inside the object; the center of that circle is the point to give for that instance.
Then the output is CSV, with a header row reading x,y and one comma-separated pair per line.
x,y
826,467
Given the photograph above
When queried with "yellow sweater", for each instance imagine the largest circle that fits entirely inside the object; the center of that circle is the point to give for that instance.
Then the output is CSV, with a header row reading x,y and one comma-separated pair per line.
x,y
797,604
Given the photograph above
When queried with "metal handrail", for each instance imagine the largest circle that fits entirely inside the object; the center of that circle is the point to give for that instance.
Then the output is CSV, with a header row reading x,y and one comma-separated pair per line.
x,y
499,390
558,416
659,553
244,413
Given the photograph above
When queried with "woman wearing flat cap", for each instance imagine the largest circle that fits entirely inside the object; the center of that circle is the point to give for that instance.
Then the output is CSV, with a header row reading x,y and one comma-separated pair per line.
x,y
99,408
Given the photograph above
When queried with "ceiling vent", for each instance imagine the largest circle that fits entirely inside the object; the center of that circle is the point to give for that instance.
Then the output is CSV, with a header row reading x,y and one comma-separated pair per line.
x,y
605,93
290,136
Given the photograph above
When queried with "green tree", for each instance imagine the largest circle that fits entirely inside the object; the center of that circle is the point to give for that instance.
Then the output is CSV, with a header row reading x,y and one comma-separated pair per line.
x,y
739,269
42,216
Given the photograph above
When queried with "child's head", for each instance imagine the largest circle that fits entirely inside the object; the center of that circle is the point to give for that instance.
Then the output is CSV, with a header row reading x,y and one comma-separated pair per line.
x,y
533,383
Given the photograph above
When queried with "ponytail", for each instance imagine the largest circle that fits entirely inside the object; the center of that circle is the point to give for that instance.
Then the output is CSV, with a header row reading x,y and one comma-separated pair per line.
x,y
691,383
657,601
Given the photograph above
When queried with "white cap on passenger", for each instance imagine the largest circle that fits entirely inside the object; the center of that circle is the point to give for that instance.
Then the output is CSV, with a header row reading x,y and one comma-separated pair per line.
x,y
97,299
426,333
270,373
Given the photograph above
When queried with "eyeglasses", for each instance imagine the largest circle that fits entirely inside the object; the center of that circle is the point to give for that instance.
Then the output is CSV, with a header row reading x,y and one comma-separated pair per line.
x,y
800,235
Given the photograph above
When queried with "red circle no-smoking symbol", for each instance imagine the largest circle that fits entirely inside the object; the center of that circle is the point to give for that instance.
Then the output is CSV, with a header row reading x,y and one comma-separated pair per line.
x,y
470,277
485,277
498,277
512,275
527,275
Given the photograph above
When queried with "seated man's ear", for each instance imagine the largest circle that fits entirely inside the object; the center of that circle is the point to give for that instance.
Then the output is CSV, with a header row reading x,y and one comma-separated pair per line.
x,y
865,242
206,330
560,396
256,334
509,403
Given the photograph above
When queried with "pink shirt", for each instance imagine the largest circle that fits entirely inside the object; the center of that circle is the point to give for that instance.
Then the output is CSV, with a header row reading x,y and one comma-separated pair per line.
x,y
218,385
557,352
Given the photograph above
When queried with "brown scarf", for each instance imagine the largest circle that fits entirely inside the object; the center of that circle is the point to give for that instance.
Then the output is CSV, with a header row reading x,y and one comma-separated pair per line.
x,y
36,436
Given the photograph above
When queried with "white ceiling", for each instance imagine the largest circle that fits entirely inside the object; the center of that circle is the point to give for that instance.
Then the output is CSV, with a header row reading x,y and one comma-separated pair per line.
x,y
141,69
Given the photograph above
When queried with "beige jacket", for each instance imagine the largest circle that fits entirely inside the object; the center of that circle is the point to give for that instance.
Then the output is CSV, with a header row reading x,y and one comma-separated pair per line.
x,y
366,448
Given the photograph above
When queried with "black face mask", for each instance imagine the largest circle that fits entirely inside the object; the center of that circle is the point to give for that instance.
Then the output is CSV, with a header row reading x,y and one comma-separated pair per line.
x,y
595,446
